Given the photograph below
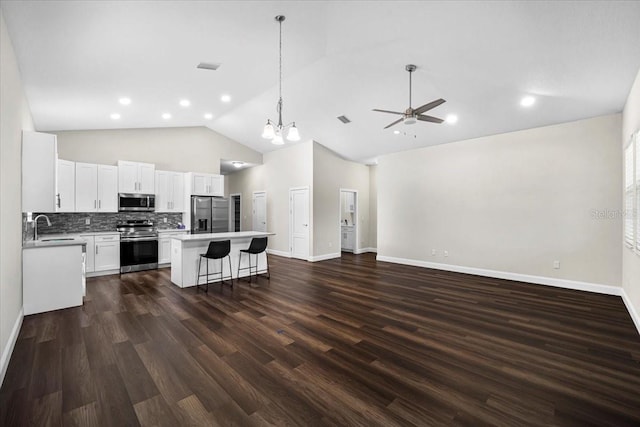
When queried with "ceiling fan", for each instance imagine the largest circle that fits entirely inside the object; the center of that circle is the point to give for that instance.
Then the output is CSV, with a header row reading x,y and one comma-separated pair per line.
x,y
411,115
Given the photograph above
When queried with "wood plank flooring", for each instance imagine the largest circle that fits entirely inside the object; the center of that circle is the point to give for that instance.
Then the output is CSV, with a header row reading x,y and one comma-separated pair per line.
x,y
347,342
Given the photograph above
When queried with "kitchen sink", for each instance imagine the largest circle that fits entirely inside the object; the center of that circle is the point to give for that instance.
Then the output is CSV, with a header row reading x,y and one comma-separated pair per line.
x,y
60,239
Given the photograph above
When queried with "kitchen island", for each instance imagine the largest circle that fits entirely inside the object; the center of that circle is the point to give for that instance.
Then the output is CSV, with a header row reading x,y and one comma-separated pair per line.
x,y
186,250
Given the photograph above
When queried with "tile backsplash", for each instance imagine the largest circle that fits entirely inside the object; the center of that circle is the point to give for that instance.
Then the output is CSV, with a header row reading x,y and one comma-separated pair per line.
x,y
76,222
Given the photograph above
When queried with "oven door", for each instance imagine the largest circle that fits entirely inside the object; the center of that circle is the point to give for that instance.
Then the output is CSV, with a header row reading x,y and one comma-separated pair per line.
x,y
138,253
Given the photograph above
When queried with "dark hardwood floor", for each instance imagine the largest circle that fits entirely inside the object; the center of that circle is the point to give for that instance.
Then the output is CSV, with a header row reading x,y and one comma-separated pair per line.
x,y
342,342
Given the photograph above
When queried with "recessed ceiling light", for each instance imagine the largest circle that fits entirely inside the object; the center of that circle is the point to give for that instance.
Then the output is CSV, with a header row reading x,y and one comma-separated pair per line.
x,y
185,102
124,101
208,116
115,116
397,132
451,119
166,116
237,164
225,98
527,101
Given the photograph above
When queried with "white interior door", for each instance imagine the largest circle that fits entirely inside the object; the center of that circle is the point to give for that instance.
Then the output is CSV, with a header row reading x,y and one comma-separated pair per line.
x,y
260,211
299,220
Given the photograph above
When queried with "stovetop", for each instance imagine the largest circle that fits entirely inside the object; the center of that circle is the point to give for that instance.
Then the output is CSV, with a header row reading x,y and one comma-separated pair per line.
x,y
137,227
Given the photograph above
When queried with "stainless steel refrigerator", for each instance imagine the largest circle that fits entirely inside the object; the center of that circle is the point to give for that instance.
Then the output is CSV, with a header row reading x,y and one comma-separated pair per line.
x,y
209,215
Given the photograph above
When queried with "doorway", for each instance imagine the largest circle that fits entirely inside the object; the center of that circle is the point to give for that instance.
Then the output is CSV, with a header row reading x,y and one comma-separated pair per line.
x,y
348,220
235,212
299,222
260,211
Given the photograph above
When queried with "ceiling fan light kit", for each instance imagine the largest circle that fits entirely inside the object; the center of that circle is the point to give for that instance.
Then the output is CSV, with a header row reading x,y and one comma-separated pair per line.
x,y
411,115
272,131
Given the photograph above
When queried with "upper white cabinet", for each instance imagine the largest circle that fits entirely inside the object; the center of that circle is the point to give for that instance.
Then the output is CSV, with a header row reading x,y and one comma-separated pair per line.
x,y
66,195
169,191
136,177
202,184
39,172
96,188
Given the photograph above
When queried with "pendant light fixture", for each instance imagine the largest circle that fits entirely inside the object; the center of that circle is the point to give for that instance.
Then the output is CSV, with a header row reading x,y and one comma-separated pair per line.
x,y
275,132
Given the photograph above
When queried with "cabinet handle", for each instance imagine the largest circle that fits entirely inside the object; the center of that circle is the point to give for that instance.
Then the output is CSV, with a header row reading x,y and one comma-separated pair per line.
x,y
99,204
95,204
58,195
96,249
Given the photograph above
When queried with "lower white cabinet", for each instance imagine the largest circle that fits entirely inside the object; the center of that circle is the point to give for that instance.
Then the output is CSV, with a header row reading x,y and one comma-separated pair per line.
x,y
107,252
91,253
348,238
52,278
164,246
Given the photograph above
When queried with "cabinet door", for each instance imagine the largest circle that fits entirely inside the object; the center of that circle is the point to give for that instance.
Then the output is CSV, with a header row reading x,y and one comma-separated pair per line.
x,y
200,184
146,178
163,200
107,255
177,192
86,187
66,197
39,164
107,188
217,185
91,254
164,250
127,177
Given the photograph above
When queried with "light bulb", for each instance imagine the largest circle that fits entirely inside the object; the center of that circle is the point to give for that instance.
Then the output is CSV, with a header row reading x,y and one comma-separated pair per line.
x,y
293,134
277,140
268,132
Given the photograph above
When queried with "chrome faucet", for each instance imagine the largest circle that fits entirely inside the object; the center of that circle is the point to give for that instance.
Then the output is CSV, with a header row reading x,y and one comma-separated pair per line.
x,y
35,225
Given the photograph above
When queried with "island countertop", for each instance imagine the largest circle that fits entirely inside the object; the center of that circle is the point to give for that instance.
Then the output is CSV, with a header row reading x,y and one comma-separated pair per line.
x,y
222,236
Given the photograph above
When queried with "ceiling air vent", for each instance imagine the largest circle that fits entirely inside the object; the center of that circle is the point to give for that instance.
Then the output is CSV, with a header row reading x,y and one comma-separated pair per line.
x,y
208,66
344,119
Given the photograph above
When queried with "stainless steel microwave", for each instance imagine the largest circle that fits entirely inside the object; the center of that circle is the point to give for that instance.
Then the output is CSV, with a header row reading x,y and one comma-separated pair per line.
x,y
136,202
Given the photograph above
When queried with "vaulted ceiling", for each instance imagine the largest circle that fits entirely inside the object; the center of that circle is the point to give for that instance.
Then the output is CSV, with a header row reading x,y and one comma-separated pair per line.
x,y
77,58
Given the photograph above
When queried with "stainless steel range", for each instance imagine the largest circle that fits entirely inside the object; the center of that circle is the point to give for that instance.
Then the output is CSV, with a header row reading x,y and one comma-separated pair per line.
x,y
138,245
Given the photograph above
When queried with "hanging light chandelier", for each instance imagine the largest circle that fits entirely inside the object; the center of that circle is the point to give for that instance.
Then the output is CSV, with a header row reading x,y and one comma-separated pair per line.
x,y
272,131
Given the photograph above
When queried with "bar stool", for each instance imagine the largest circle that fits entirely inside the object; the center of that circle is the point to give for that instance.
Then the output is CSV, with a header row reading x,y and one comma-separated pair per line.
x,y
216,250
257,246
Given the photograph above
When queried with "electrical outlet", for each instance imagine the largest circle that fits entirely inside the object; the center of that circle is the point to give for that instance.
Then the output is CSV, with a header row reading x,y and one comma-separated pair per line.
x,y
556,264
87,221
433,252
446,253
165,220
29,216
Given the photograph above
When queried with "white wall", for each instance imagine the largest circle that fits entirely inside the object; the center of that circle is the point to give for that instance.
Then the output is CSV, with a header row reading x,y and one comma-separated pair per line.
x,y
15,116
513,202
282,169
330,174
373,206
195,149
630,260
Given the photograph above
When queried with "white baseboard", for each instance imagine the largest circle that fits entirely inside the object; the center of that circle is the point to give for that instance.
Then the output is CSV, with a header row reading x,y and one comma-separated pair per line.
x,y
103,273
324,257
279,253
365,250
540,280
6,353
632,310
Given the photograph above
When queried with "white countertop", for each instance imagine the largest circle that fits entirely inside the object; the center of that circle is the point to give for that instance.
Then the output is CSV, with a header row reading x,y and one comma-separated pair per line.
x,y
46,241
222,236
173,230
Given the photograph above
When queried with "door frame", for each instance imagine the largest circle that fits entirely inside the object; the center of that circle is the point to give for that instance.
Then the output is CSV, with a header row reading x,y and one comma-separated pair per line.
x,y
232,209
291,189
253,208
355,217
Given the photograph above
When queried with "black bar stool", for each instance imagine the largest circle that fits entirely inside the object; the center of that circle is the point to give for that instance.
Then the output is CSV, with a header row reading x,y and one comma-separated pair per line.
x,y
216,250
257,246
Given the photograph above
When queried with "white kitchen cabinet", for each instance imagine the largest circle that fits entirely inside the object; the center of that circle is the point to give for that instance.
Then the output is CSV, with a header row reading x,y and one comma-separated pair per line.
x,y
107,252
66,195
136,177
202,184
349,199
90,252
52,278
164,246
39,172
96,188
169,191
348,238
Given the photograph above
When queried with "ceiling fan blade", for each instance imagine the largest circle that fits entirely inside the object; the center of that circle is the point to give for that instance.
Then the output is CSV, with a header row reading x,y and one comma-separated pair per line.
x,y
429,119
394,123
386,111
429,106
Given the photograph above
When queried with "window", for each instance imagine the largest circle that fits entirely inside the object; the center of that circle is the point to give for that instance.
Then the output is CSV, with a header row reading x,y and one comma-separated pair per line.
x,y
628,194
